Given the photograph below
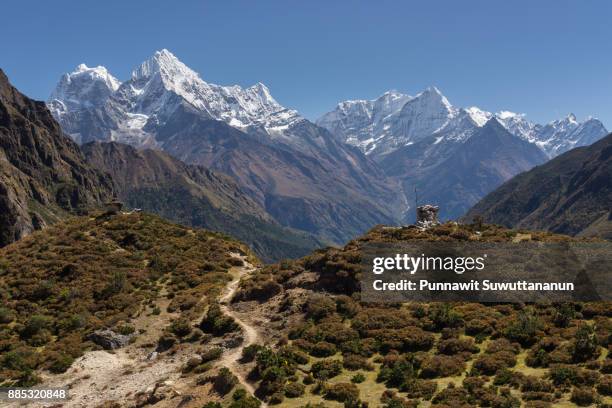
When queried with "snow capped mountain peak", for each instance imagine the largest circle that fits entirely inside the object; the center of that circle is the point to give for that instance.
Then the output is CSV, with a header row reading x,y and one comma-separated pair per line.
x,y
155,91
262,93
84,87
95,73
433,95
362,122
166,64
479,116
564,134
390,102
430,113
84,76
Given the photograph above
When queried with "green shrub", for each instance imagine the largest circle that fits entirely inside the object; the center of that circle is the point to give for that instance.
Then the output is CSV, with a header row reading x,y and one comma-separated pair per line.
x,y
6,315
180,327
165,342
250,352
35,324
73,322
443,315
294,390
211,354
326,369
125,329
319,306
355,362
585,343
442,366
23,359
240,399
342,392
505,376
605,385
60,363
323,349
564,314
224,381
523,328
358,378
276,398
217,323
562,374
583,396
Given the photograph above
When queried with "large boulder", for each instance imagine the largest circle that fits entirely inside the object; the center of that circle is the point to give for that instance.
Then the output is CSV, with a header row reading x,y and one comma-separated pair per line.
x,y
108,339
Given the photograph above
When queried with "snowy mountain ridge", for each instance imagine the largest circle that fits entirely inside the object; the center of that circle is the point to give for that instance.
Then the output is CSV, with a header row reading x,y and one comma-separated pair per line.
x,y
429,113
129,109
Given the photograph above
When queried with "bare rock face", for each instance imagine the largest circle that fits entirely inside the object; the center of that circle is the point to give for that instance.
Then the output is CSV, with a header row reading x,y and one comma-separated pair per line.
x,y
43,174
427,216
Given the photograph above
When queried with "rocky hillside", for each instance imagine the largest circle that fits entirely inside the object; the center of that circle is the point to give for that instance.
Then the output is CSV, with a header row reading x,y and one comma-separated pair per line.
x,y
43,175
104,272
193,195
333,194
570,194
334,349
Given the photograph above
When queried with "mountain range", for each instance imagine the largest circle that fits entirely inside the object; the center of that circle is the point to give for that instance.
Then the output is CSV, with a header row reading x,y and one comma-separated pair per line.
x,y
446,155
394,120
366,162
570,194
189,317
298,172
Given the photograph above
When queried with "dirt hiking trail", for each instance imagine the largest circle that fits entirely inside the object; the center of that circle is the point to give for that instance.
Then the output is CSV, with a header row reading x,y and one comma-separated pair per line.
x,y
231,359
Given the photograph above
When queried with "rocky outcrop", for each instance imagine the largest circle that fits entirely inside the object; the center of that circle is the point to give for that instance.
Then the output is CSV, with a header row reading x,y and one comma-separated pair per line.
x,y
43,175
108,339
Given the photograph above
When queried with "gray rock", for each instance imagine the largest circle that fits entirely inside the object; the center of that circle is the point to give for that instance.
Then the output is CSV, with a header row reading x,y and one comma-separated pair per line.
x,y
108,339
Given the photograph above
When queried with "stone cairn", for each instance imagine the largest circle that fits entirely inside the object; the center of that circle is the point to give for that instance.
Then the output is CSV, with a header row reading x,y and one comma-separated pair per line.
x,y
427,216
113,207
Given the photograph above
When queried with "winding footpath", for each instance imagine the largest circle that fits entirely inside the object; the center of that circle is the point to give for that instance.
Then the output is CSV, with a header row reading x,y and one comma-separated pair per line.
x,y
231,359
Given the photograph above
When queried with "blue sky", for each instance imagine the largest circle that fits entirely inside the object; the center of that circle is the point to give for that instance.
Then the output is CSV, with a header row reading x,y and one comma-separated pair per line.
x,y
544,58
